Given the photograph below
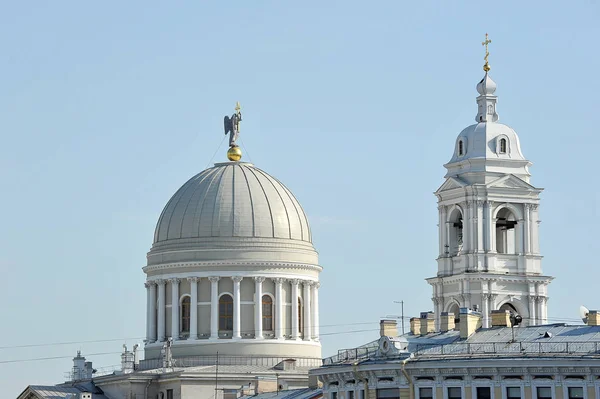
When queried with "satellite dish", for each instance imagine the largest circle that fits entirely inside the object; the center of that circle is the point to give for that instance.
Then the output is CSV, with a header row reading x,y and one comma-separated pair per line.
x,y
583,313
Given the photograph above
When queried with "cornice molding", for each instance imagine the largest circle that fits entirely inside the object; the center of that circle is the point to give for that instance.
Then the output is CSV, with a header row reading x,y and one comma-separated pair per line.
x,y
216,264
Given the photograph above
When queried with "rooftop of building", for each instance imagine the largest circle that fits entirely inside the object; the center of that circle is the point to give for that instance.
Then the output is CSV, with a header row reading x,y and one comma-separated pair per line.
x,y
61,391
550,340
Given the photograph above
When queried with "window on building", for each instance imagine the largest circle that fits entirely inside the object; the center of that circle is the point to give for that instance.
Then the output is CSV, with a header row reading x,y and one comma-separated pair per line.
x,y
544,393
484,393
300,317
169,394
455,239
350,395
388,393
460,148
267,313
185,314
361,394
426,393
575,392
226,312
513,392
333,395
502,146
454,393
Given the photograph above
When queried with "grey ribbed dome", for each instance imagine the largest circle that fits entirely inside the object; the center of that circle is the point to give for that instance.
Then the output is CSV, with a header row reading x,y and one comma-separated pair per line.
x,y
232,199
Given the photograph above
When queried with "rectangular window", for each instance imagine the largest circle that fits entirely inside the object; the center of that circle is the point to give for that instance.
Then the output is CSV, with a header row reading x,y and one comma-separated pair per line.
x,y
361,394
513,392
544,393
575,392
426,393
333,395
484,393
388,393
169,394
454,393
350,395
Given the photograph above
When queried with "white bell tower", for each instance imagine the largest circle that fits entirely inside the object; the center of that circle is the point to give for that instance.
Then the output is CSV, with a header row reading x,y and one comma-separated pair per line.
x,y
489,253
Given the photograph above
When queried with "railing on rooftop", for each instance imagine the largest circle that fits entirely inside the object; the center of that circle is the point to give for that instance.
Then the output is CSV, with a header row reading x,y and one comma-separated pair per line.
x,y
467,348
192,361
508,348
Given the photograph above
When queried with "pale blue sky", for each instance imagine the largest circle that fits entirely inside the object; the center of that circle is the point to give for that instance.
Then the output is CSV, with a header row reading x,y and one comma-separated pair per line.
x,y
106,108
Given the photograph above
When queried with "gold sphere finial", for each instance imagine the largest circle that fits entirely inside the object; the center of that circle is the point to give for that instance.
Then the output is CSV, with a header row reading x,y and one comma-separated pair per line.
x,y
234,154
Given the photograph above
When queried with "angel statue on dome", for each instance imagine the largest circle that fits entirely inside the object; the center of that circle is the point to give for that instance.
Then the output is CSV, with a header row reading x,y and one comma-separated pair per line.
x,y
232,125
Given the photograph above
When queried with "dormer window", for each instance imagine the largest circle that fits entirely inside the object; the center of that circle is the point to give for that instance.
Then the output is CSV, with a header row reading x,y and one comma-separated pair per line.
x,y
460,148
502,146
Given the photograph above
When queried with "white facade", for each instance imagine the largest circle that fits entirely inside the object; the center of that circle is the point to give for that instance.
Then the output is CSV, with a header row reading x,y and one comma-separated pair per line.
x,y
489,253
233,270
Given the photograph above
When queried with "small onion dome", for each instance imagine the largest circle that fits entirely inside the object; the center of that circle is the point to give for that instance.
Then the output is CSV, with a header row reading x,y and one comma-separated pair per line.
x,y
486,86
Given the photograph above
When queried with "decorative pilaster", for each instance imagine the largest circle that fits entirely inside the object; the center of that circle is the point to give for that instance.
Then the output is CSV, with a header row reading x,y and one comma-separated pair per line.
x,y
237,323
193,307
279,322
161,310
527,230
315,309
490,236
307,312
150,311
258,331
174,308
214,307
295,310
479,234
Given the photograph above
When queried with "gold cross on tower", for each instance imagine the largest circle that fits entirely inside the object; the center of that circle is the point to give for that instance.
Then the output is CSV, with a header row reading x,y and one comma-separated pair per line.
x,y
486,67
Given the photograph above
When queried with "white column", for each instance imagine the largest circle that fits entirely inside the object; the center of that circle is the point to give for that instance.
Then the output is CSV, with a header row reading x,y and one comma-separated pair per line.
x,y
279,324
193,307
491,227
258,331
307,312
527,230
174,308
214,307
237,323
535,229
532,309
152,319
161,310
315,309
485,309
149,309
295,326
441,229
480,230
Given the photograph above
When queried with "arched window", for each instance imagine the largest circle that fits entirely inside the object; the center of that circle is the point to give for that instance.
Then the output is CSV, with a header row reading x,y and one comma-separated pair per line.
x,y
226,312
460,148
300,318
185,314
456,310
267,313
506,238
455,240
502,146
509,307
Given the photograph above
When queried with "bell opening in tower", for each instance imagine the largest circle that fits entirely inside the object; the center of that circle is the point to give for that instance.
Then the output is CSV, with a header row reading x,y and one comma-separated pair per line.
x,y
505,232
456,232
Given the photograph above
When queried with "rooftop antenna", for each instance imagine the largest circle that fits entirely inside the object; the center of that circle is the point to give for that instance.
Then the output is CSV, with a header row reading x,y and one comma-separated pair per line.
x,y
402,314
583,313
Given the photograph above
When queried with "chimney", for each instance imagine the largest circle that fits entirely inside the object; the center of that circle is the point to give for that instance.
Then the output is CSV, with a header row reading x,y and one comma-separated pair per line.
x,y
470,321
415,326
500,318
388,328
427,323
447,322
593,318
126,361
78,368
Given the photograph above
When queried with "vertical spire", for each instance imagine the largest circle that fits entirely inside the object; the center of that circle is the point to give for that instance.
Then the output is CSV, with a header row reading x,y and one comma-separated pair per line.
x,y
486,102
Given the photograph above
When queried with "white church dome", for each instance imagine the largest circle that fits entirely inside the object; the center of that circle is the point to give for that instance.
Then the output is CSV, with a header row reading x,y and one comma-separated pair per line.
x,y
233,210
